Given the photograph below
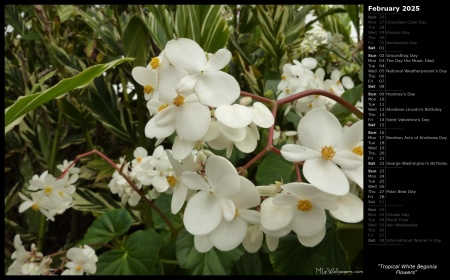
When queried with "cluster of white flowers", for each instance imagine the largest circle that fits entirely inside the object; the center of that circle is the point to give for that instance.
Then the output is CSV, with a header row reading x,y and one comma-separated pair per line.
x,y
298,77
82,260
50,195
187,94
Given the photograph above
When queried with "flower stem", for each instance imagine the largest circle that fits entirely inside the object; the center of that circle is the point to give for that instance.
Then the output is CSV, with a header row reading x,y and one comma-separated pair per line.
x,y
129,181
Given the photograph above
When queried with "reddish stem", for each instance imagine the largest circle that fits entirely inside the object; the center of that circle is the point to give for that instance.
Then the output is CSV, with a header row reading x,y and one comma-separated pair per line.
x,y
129,181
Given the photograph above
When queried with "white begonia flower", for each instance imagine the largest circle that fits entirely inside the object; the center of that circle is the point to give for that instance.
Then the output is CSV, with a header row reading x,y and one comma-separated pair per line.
x,y
319,137
81,261
185,115
163,169
253,239
308,205
313,240
352,141
336,85
19,256
66,164
275,217
212,86
205,209
180,191
42,204
229,234
147,78
350,208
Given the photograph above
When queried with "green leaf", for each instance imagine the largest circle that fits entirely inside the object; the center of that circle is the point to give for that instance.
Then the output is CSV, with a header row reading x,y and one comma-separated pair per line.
x,y
25,104
351,238
135,41
249,264
64,12
292,258
213,262
139,256
86,200
274,168
108,226
203,24
163,202
352,95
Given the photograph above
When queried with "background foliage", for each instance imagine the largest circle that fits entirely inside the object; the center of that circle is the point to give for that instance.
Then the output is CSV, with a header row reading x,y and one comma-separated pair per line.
x,y
47,45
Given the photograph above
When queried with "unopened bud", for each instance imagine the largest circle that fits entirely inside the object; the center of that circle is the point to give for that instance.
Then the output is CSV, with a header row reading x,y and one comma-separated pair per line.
x,y
246,100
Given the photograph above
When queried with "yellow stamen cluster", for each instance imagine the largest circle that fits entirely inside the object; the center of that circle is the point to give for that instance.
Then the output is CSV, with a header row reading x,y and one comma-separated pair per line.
x,y
154,63
288,90
48,190
283,77
139,159
35,207
236,213
178,101
172,181
328,152
304,205
310,105
78,268
148,89
358,150
162,107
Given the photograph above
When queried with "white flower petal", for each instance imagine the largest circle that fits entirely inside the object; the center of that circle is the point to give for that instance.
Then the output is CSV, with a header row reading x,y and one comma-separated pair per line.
x,y
194,181
335,75
356,175
302,190
318,128
232,134
25,205
193,121
187,84
248,196
311,241
227,236
202,214
262,116
186,53
249,143
297,153
160,183
202,243
212,133
234,116
144,76
169,77
352,136
222,176
250,216
253,240
350,209
309,62
347,82
182,148
275,217
347,159
178,197
217,88
326,176
272,242
309,223
228,208
285,199
218,61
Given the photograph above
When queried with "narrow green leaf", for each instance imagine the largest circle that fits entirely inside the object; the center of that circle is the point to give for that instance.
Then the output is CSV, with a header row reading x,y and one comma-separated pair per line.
x,y
213,262
135,41
25,104
108,226
64,12
139,256
86,200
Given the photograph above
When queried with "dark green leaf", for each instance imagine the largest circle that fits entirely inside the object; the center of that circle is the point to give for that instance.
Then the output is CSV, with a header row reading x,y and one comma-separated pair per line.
x,y
135,41
213,262
274,168
292,258
108,226
139,256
